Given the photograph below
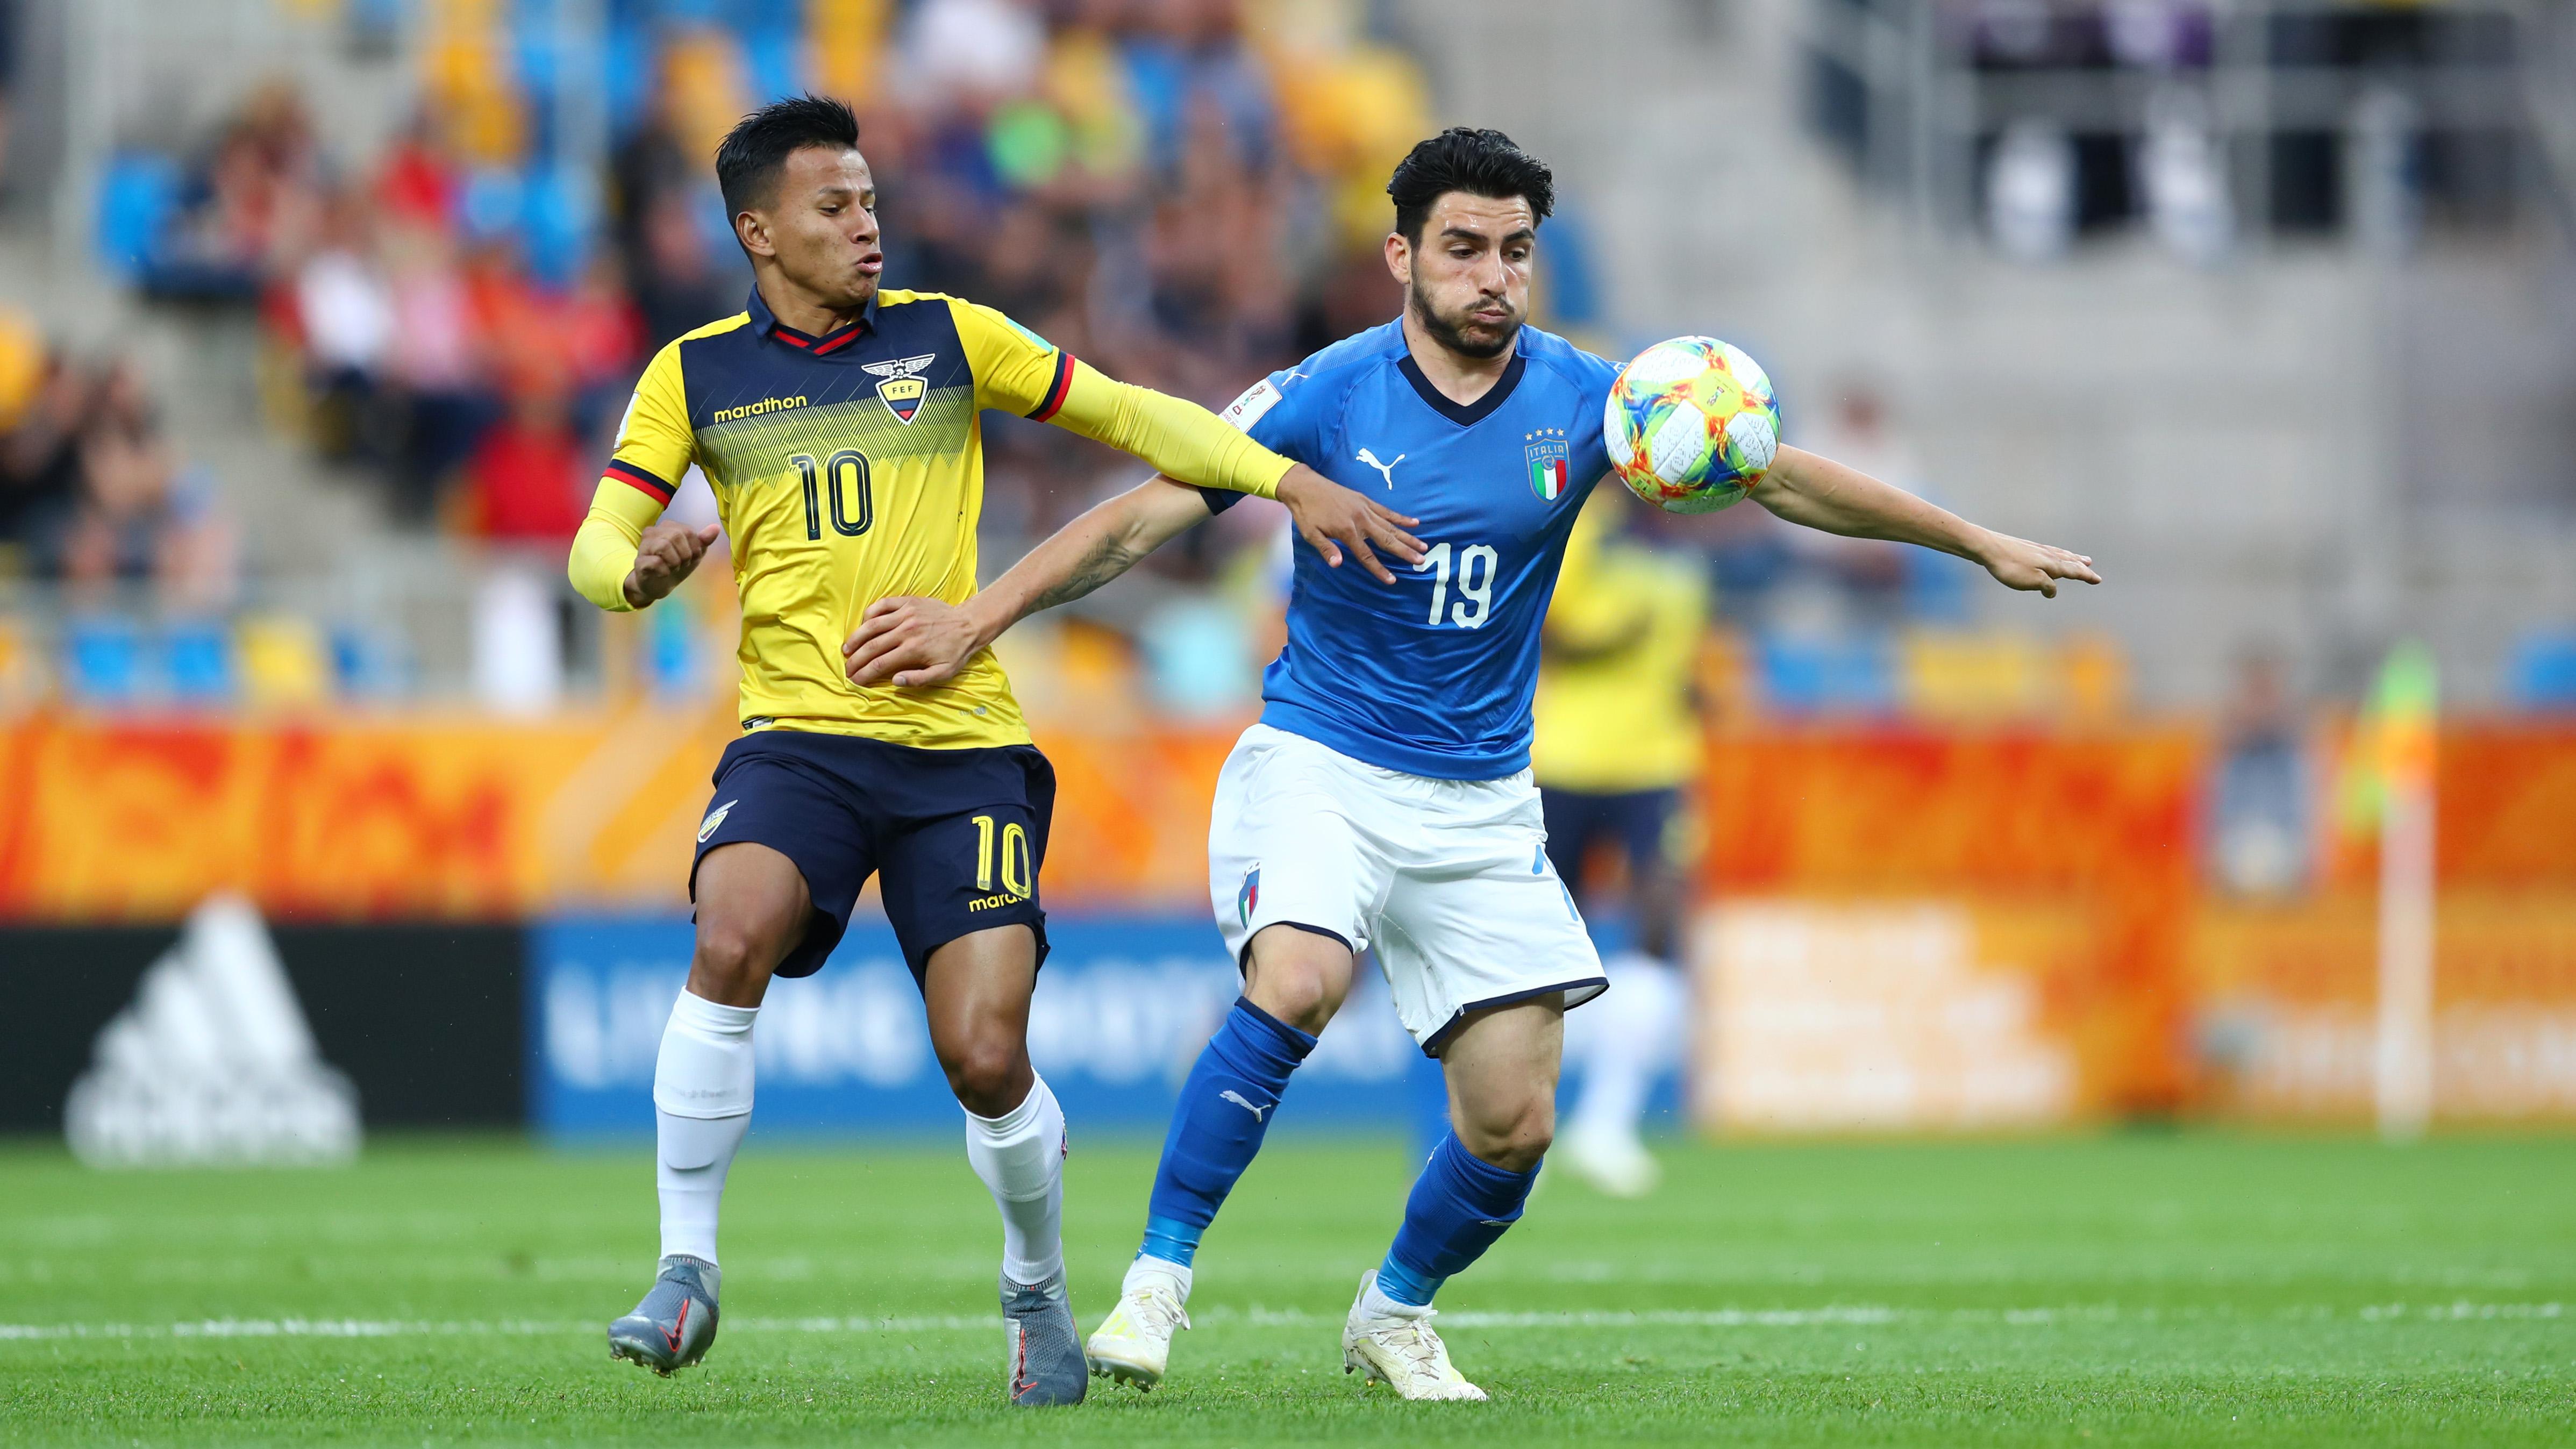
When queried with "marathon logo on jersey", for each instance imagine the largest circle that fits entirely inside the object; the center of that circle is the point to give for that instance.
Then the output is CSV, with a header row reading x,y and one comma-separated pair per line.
x,y
1248,899
1549,457
899,384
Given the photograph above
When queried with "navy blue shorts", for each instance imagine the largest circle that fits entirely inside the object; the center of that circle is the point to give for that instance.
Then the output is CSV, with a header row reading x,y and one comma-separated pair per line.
x,y
1637,822
957,835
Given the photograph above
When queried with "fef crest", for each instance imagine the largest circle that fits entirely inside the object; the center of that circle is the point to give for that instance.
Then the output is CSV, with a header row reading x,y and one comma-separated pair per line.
x,y
900,385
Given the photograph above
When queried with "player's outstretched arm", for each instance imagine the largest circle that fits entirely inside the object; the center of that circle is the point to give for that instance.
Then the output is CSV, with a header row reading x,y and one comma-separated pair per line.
x,y
1823,494
914,641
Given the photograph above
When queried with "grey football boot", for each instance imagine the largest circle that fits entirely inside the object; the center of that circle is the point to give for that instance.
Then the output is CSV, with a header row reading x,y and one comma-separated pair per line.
x,y
675,1325
1047,1367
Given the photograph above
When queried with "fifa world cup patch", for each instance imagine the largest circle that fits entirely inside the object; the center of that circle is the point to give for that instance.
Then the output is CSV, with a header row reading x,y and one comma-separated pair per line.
x,y
1248,899
900,385
1549,456
1248,409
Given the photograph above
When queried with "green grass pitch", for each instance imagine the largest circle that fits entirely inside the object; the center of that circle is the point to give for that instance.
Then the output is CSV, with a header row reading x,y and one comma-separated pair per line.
x,y
2172,1289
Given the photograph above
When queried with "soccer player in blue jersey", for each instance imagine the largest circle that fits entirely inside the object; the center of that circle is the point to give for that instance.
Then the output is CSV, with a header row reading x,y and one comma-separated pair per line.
x,y
1384,799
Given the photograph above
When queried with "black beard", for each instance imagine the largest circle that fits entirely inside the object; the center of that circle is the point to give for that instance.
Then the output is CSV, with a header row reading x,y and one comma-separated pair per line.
x,y
1454,337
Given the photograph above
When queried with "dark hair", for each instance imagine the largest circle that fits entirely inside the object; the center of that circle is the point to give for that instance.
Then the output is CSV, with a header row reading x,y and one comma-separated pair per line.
x,y
757,148
1465,158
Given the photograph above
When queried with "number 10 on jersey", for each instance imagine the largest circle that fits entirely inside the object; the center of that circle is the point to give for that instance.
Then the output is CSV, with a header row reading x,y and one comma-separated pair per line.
x,y
845,476
1475,583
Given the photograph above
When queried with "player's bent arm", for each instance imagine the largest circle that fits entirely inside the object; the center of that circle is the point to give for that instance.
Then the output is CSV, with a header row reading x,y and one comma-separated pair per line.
x,y
622,558
603,551
1818,492
912,641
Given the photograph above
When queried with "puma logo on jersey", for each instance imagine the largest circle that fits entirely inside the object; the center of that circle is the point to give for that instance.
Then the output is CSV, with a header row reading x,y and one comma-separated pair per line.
x,y
1385,470
899,386
1238,1099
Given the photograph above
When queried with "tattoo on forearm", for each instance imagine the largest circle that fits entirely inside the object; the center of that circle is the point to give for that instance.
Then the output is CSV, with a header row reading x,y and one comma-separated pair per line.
x,y
1107,560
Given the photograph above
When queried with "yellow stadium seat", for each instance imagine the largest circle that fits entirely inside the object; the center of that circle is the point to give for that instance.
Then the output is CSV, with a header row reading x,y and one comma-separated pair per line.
x,y
285,662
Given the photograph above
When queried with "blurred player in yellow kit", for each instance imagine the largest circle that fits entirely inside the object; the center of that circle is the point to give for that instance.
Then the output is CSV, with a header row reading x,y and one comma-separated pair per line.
x,y
1617,743
840,425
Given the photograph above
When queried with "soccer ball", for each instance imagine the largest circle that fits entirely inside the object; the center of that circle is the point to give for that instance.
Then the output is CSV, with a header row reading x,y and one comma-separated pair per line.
x,y
1692,424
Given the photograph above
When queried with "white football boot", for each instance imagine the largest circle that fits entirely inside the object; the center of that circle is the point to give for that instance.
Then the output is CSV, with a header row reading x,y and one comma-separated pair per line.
x,y
1133,1345
1399,1350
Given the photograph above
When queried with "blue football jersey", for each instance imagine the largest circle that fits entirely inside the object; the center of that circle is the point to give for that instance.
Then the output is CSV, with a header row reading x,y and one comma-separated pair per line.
x,y
1432,676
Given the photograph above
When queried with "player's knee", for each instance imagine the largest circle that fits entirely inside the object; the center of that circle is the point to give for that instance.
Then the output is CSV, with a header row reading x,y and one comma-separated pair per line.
x,y
988,1072
729,962
1513,1139
1298,977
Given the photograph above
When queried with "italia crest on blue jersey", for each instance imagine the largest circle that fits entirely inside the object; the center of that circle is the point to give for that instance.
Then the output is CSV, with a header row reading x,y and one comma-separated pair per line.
x,y
1548,455
1248,899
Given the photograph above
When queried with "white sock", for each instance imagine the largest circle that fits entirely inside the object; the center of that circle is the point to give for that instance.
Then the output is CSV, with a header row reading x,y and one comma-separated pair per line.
x,y
1374,1304
1636,1036
1020,1156
701,1108
1147,1270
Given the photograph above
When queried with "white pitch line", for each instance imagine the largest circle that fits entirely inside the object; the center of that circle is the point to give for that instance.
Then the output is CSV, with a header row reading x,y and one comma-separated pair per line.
x,y
1847,1315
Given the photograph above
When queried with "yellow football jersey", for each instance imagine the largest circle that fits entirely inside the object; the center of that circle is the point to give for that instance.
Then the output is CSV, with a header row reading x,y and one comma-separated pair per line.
x,y
1614,710
850,467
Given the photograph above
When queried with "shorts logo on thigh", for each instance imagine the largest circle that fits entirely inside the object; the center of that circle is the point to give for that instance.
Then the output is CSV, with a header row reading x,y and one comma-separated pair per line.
x,y
1248,899
714,819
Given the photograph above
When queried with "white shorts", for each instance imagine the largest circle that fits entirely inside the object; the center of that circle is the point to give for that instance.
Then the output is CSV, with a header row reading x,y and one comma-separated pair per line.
x,y
1447,879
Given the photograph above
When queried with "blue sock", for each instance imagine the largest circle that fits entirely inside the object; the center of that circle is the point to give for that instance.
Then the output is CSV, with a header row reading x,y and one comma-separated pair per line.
x,y
1459,1208
1225,1106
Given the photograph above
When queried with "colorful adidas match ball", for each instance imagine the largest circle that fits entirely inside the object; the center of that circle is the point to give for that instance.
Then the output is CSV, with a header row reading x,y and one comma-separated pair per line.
x,y
1692,424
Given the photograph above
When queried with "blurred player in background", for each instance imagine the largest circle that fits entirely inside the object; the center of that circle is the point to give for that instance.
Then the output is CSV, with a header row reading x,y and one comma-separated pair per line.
x,y
839,426
1615,743
1383,802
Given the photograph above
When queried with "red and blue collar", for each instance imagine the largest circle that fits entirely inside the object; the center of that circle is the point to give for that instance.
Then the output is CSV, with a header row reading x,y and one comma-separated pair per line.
x,y
766,323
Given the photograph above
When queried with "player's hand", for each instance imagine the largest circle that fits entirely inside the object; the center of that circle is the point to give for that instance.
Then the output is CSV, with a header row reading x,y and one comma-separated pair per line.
x,y
666,554
2018,563
1331,518
908,641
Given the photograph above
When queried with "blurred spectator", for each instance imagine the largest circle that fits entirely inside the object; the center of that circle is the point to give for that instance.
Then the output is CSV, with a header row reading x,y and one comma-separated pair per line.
x,y
2030,191
40,472
344,311
972,53
139,515
2185,177
249,204
531,474
2261,798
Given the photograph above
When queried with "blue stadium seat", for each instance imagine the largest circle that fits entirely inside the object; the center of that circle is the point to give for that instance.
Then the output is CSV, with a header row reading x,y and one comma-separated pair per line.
x,y
1827,676
104,661
198,659
558,217
2542,675
138,194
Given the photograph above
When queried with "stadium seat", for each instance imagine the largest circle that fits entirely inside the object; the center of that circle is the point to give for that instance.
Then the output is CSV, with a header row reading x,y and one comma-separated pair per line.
x,y
197,660
137,195
284,660
1955,675
1827,675
104,661
2542,674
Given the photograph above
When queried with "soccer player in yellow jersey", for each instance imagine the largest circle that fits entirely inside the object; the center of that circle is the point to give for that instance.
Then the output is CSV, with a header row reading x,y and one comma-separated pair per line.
x,y
838,423
1616,740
